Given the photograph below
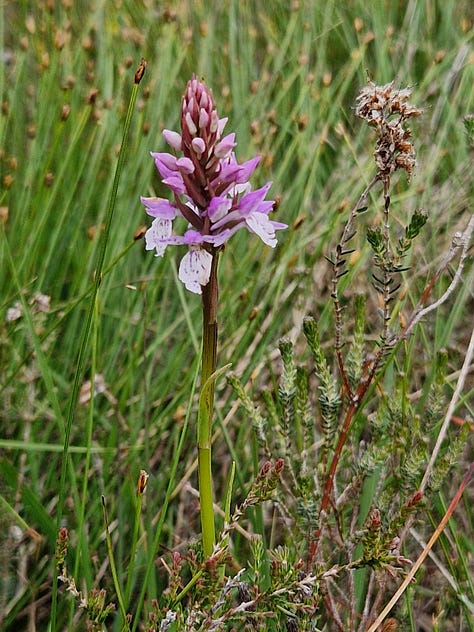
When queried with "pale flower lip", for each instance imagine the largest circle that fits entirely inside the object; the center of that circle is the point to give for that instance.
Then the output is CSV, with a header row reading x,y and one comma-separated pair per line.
x,y
195,268
211,190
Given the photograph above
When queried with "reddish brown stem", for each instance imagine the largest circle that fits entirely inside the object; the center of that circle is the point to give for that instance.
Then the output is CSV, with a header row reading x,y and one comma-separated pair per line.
x,y
342,371
354,406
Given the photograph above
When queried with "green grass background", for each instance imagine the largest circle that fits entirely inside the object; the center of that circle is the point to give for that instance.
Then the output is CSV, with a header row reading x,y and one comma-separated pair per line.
x,y
286,74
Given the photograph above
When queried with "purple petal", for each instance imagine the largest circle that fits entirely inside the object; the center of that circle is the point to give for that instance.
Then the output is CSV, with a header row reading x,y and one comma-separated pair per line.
x,y
223,236
221,123
218,208
185,165
198,145
228,173
175,183
224,147
159,207
279,225
165,163
190,124
230,218
231,174
215,125
164,158
226,177
192,237
246,169
173,139
203,118
204,100
253,201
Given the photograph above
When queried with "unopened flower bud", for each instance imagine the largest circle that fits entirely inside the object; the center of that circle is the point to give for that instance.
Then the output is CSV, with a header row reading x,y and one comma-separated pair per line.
x,y
142,481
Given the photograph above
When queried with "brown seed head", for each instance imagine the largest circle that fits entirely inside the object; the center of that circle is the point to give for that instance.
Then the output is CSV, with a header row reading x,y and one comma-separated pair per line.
x,y
65,112
142,481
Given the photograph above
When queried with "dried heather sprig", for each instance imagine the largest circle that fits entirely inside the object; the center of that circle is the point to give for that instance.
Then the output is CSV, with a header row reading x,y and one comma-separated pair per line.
x,y
387,109
211,190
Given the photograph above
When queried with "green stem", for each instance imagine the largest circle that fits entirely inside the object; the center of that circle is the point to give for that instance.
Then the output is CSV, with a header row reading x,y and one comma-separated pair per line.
x,y
150,567
206,407
113,567
133,548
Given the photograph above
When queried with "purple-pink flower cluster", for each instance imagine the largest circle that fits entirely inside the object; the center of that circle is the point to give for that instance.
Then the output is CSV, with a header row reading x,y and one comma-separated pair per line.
x,y
211,190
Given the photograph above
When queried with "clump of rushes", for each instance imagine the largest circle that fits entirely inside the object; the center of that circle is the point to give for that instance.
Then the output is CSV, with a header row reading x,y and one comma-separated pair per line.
x,y
211,192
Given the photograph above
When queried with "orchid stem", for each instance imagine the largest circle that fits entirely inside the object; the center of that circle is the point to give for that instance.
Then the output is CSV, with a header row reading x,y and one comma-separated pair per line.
x,y
206,407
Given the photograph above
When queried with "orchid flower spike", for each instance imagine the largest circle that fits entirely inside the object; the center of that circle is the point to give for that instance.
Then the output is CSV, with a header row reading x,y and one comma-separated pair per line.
x,y
211,190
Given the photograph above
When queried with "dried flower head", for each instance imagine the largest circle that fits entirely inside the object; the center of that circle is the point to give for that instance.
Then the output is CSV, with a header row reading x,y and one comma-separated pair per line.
x,y
211,190
387,109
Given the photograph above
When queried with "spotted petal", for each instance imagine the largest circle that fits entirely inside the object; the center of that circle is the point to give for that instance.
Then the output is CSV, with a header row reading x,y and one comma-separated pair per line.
x,y
259,224
195,269
158,235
